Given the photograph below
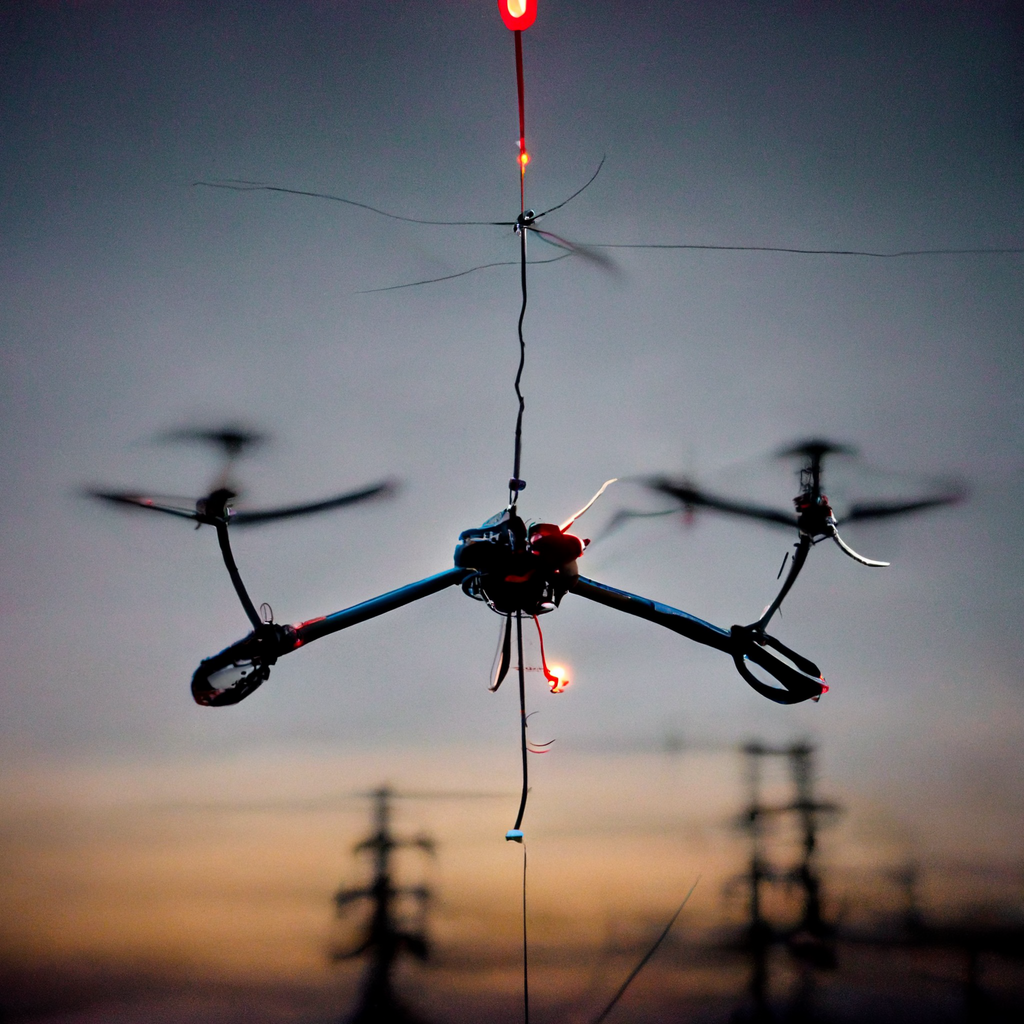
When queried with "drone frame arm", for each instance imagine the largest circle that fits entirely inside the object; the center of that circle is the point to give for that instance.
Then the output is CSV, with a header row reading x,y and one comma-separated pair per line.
x,y
248,661
221,526
662,614
799,677
313,629
139,501
803,546
886,509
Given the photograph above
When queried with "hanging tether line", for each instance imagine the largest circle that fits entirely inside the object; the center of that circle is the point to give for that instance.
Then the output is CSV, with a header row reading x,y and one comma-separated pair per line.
x,y
516,485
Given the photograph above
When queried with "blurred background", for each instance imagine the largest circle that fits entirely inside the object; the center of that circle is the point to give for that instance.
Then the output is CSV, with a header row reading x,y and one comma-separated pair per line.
x,y
164,861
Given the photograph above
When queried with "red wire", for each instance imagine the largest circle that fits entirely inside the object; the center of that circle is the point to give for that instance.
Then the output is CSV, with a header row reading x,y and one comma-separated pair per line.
x,y
522,120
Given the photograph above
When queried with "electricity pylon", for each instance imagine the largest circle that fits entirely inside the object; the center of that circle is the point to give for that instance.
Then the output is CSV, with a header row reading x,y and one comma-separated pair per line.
x,y
384,938
811,940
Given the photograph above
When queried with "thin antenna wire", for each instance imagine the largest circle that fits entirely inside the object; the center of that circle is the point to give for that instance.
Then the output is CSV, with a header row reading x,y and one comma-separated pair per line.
x,y
580,248
647,956
582,188
809,252
256,186
522,808
461,273
232,185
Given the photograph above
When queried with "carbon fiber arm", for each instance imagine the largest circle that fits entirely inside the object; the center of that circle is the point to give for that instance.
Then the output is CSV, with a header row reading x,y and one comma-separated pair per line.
x,y
230,676
799,677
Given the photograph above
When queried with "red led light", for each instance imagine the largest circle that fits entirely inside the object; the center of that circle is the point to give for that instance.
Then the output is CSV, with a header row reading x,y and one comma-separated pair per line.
x,y
517,14
558,678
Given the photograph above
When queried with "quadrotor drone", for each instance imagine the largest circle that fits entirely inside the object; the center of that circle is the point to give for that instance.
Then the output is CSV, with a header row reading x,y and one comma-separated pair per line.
x,y
518,567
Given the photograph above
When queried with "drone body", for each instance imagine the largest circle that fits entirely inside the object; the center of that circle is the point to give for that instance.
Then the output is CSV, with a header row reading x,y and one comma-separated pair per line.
x,y
518,568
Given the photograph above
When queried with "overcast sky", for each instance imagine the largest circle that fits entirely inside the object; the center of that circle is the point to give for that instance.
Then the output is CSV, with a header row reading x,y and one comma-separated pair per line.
x,y
133,302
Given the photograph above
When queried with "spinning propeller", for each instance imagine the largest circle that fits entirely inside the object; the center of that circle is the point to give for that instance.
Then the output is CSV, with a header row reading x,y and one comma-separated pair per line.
x,y
215,508
812,517
233,442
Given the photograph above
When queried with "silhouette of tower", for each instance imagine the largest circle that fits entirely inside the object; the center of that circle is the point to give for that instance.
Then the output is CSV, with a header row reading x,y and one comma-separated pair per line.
x,y
384,938
811,939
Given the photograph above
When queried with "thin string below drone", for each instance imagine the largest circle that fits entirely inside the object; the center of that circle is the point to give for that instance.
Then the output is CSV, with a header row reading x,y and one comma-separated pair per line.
x,y
515,486
522,808
522,721
526,962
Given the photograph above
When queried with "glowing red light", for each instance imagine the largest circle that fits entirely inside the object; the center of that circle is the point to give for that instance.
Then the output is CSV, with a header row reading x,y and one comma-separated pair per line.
x,y
524,158
517,14
558,678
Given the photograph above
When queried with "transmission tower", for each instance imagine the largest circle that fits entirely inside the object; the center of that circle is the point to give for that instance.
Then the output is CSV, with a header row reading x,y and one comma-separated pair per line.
x,y
384,938
810,940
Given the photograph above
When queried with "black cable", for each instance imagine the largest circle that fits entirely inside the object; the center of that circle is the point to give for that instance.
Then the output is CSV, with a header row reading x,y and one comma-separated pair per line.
x,y
255,186
259,186
461,273
516,483
582,188
221,526
808,252
522,719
